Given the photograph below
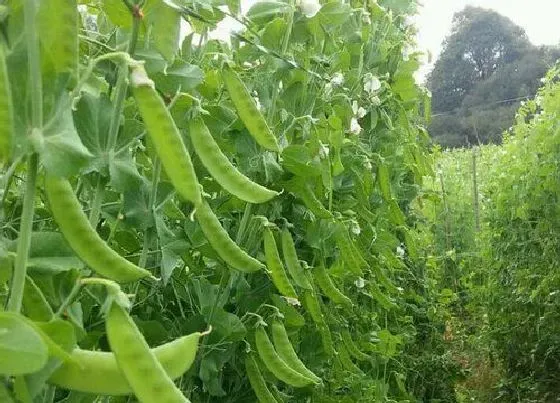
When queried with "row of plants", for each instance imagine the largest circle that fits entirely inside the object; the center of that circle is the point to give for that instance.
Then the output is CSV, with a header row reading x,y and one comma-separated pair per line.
x,y
187,218
500,276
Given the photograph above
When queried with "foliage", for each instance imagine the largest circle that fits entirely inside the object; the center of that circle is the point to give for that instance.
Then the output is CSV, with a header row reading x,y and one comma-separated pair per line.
x,y
336,87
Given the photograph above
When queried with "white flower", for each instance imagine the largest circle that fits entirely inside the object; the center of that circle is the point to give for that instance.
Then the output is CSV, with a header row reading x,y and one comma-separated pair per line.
x,y
324,151
292,301
247,64
258,102
360,283
365,18
337,79
371,83
355,228
355,127
328,89
309,7
400,251
375,101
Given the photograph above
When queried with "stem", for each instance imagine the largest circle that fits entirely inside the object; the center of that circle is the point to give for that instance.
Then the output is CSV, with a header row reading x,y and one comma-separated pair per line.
x,y
26,227
244,223
121,88
151,202
69,299
97,201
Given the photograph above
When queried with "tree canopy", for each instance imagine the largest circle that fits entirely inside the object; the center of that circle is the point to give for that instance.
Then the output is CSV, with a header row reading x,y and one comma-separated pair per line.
x,y
486,68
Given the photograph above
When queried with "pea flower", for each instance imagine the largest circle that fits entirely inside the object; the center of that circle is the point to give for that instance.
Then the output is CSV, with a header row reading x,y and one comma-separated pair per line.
x,y
355,127
337,79
371,83
309,7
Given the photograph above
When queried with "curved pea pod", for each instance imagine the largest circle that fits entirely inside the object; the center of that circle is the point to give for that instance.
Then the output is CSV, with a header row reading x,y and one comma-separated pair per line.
x,y
287,353
274,264
145,374
275,364
165,136
292,261
346,360
313,203
347,249
34,302
248,111
97,372
291,314
6,111
384,180
221,242
311,304
222,170
329,289
257,381
351,346
326,338
82,238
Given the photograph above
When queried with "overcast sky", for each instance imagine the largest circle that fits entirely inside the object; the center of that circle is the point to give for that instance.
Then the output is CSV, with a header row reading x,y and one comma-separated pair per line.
x,y
539,18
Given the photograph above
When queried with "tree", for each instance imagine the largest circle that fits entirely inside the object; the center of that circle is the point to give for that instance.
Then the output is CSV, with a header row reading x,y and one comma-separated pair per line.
x,y
486,69
481,42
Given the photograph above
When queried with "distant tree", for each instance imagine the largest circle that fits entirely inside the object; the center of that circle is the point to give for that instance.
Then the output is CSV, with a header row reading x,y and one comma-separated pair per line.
x,y
481,42
486,68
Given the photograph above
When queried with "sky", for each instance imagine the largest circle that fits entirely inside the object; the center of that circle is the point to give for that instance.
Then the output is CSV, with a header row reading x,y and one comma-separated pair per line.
x,y
539,18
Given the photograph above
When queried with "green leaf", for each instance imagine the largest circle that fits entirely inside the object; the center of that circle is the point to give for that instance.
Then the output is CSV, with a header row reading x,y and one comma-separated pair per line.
x,y
22,349
49,253
334,13
165,29
180,76
299,160
57,22
63,153
267,9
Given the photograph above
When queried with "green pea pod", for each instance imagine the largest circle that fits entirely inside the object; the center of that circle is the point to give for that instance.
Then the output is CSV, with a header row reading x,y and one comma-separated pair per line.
x,y
6,111
346,361
97,372
257,381
145,374
351,346
292,261
165,136
327,286
274,264
82,238
275,364
347,249
326,338
313,203
221,242
286,351
248,111
34,302
384,180
311,304
222,170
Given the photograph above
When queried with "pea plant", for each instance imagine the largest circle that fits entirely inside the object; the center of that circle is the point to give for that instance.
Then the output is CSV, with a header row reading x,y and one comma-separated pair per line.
x,y
186,218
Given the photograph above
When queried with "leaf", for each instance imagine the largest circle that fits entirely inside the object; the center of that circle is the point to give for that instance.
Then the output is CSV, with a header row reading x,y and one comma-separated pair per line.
x,y
267,9
334,13
22,349
49,253
63,152
298,160
165,22
58,24
180,76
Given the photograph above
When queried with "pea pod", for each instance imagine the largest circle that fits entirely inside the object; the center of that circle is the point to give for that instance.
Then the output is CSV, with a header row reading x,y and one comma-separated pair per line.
x,y
221,242
97,372
275,364
165,136
346,361
347,249
351,346
384,180
286,351
326,338
274,264
6,110
145,374
257,381
292,262
311,304
327,286
34,302
248,111
222,170
82,238
313,203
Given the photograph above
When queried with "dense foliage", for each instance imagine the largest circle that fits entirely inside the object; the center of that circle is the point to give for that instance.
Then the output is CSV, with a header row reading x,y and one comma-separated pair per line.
x,y
91,134
504,276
